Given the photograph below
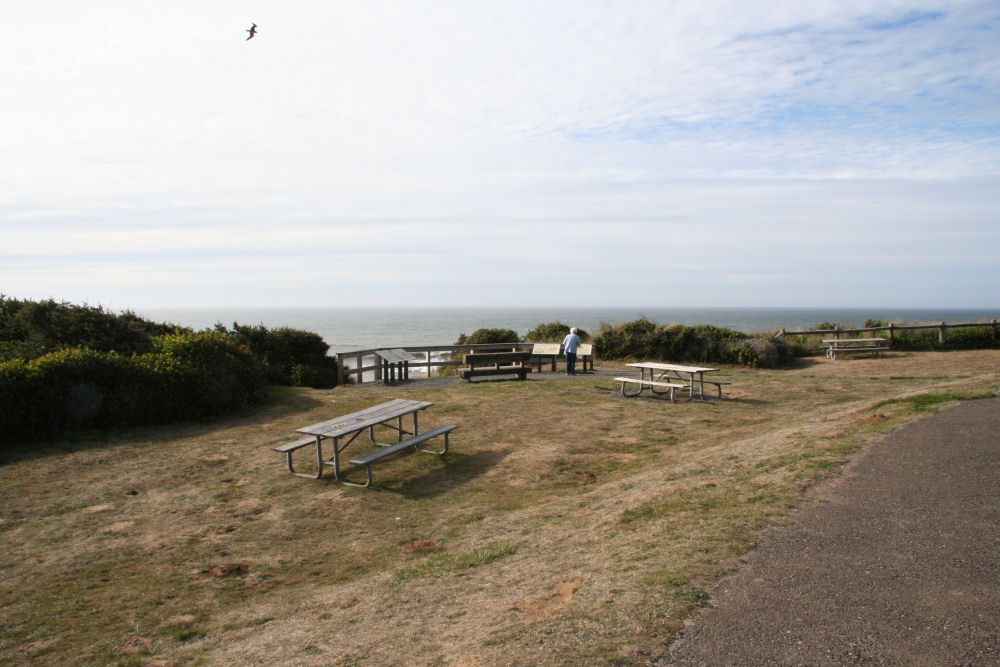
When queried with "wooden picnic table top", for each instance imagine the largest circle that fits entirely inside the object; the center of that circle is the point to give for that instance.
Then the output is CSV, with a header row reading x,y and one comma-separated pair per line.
x,y
658,366
362,419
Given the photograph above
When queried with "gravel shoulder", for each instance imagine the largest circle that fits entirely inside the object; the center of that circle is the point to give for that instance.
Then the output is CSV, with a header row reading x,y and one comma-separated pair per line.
x,y
897,562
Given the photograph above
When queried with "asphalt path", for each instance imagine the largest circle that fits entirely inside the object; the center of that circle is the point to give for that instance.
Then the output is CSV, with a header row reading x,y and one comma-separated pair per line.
x,y
895,563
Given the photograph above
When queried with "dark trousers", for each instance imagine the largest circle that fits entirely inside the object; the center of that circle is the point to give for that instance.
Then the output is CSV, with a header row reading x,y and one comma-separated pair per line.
x,y
571,363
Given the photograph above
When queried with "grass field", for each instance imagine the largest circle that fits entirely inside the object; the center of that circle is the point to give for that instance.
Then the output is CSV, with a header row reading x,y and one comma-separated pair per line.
x,y
567,525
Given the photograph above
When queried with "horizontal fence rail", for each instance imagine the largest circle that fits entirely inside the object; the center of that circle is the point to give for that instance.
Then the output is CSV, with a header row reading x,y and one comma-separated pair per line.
x,y
893,329
365,365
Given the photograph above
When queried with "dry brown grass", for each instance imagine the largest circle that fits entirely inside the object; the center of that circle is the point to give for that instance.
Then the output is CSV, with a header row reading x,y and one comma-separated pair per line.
x,y
567,525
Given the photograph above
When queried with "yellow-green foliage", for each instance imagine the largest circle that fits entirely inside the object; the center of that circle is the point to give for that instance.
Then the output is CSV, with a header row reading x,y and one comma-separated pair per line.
x,y
185,376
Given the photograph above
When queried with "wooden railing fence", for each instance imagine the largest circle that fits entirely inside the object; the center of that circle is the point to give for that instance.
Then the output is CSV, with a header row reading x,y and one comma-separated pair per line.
x,y
892,329
365,366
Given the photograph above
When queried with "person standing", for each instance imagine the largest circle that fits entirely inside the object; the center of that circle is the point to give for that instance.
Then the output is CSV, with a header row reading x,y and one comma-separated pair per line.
x,y
570,344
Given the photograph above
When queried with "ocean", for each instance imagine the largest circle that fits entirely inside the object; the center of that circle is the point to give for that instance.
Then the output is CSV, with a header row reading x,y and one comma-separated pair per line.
x,y
348,329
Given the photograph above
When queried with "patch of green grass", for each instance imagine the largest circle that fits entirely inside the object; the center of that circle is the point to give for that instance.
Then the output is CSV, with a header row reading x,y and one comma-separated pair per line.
x,y
701,500
453,564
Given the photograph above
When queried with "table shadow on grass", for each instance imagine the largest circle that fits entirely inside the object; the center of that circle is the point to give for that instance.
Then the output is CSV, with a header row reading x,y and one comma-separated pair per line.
x,y
457,470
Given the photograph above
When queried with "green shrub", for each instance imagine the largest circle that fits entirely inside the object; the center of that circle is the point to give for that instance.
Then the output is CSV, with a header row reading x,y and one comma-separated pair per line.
x,y
321,376
185,377
552,332
970,338
643,339
484,336
288,356
966,338
226,373
31,329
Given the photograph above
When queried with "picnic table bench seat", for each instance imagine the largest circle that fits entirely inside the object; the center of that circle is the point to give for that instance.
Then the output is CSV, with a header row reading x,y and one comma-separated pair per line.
x,y
652,384
718,384
290,447
496,363
369,459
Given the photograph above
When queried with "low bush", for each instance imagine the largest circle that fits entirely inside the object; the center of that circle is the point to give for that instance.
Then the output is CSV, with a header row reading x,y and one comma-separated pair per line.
x,y
288,356
552,332
184,377
971,338
484,336
642,339
929,338
31,329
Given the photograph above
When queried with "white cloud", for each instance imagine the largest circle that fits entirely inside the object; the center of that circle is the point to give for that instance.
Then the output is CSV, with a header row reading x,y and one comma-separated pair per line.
x,y
150,151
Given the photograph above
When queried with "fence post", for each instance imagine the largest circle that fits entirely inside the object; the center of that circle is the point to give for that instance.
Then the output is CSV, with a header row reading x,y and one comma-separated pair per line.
x,y
340,369
941,334
892,334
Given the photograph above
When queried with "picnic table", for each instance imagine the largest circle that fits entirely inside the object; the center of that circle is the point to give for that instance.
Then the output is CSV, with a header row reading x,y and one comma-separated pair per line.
x,y
671,376
348,427
837,346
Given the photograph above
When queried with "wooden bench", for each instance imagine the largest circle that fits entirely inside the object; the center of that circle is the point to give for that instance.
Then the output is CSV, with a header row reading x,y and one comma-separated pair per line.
x,y
369,459
652,385
837,346
496,363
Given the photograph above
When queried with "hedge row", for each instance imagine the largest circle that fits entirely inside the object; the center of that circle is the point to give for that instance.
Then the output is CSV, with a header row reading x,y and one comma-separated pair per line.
x,y
966,338
551,332
184,377
288,356
973,338
31,329
646,340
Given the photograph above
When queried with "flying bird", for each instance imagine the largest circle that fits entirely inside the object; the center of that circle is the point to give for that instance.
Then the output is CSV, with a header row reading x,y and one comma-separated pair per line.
x,y
252,30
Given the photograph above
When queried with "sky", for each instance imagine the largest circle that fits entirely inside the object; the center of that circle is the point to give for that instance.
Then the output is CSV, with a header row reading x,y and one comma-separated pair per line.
x,y
501,153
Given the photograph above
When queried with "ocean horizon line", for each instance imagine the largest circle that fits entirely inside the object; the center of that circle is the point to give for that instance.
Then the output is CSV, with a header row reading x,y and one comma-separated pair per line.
x,y
348,328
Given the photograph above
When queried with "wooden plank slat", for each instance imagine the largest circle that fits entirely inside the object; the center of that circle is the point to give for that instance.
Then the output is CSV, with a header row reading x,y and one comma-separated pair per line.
x,y
372,416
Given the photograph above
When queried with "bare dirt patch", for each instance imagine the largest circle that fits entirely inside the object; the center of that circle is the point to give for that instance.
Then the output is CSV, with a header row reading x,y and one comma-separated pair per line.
x,y
94,509
551,603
